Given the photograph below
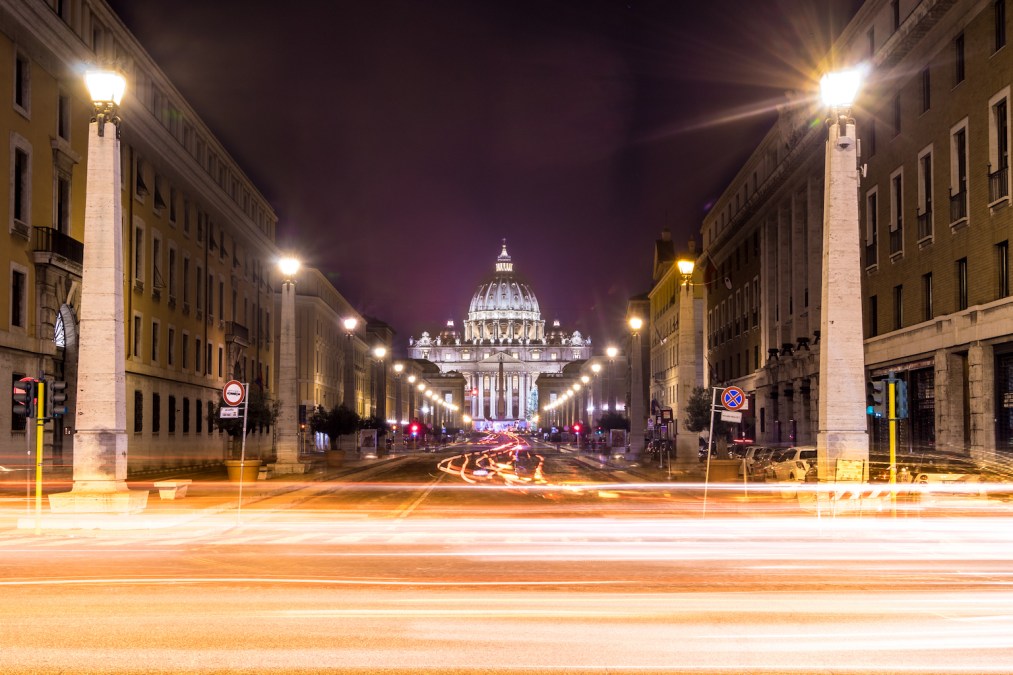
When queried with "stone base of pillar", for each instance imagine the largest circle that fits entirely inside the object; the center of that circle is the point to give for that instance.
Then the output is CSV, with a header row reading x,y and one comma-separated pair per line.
x,y
96,501
834,445
282,468
687,449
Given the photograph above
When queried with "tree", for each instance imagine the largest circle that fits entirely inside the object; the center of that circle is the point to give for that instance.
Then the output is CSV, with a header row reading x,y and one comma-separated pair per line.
x,y
613,420
338,421
698,410
374,422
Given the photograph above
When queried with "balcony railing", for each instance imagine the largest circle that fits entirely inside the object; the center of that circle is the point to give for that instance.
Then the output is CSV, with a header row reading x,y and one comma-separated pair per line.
x,y
998,185
51,240
897,239
925,224
237,332
872,254
958,206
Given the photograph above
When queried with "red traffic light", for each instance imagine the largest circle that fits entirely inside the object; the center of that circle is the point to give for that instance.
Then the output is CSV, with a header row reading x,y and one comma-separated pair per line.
x,y
415,429
576,428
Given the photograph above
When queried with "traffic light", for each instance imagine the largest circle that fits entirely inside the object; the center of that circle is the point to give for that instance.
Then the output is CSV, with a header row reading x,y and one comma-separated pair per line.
x,y
576,428
25,393
900,404
415,429
56,398
875,398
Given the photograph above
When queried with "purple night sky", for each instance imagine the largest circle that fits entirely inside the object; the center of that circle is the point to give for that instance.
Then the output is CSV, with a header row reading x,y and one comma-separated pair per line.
x,y
400,140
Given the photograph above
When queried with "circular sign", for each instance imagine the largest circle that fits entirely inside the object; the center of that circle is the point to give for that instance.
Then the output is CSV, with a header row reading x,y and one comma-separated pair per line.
x,y
234,392
733,398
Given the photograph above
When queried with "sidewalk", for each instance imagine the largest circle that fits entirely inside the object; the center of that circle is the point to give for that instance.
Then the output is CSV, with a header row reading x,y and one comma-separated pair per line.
x,y
210,492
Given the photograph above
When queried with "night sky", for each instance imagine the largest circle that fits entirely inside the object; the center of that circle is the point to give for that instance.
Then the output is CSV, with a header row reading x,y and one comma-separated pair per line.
x,y
400,140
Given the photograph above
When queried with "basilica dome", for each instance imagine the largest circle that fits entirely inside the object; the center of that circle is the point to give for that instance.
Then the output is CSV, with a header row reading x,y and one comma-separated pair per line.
x,y
504,306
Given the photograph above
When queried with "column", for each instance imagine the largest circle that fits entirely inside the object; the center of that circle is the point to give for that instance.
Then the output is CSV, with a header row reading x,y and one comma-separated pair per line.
x,y
509,395
981,392
479,397
288,418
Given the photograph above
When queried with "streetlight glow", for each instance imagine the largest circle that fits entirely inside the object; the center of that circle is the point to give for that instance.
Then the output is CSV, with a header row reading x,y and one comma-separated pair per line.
x,y
596,367
105,86
350,323
685,266
411,379
380,351
839,89
289,266
636,323
398,367
611,352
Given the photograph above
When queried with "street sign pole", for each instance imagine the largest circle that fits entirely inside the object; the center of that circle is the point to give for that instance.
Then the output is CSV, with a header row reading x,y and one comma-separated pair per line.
x,y
892,412
40,432
710,439
242,453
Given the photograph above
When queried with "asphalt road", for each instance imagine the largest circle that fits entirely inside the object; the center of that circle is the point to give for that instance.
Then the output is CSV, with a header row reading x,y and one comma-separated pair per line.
x,y
415,570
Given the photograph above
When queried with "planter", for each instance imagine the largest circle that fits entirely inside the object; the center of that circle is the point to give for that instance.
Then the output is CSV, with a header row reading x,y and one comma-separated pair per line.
x,y
248,472
724,470
335,457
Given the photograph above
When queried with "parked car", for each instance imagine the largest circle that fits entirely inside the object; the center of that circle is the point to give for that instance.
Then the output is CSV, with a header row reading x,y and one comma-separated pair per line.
x,y
755,457
791,464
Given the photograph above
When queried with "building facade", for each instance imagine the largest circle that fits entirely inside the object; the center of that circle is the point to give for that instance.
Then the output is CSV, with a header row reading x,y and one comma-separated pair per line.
x,y
502,351
933,123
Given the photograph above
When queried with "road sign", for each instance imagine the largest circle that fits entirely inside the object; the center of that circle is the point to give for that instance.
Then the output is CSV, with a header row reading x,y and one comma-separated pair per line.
x,y
728,416
234,392
733,398
226,413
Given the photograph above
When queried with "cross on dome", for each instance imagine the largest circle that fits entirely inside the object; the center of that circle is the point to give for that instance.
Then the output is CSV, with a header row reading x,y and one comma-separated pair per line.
x,y
503,262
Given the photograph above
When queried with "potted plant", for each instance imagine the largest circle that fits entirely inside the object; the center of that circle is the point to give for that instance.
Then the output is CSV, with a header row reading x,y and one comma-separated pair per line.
x,y
340,421
261,412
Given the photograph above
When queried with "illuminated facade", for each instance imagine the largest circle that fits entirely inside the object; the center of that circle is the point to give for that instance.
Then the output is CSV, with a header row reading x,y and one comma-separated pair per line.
x,y
503,350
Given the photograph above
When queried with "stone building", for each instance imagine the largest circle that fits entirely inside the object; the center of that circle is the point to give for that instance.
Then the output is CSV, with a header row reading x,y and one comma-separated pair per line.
x,y
933,123
503,349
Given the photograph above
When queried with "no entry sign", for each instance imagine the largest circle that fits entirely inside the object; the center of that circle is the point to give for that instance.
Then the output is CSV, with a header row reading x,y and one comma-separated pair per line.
x,y
234,392
733,398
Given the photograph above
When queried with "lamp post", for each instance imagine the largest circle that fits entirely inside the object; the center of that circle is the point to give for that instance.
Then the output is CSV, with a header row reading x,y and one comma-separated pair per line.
x,y
638,410
686,445
100,441
842,432
288,390
350,325
398,416
596,394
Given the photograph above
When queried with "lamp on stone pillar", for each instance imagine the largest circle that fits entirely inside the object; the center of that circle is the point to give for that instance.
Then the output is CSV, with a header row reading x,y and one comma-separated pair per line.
x,y
349,397
686,445
637,413
611,352
379,382
586,409
842,432
596,394
411,398
288,391
399,418
100,439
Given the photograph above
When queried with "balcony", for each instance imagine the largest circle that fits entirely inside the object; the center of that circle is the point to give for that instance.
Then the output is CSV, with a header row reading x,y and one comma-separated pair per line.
x,y
46,240
238,333
958,207
998,185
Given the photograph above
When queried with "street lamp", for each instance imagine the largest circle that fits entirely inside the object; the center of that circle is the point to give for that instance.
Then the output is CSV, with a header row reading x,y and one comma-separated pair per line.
x,y
350,325
398,369
637,413
288,389
100,439
842,432
687,361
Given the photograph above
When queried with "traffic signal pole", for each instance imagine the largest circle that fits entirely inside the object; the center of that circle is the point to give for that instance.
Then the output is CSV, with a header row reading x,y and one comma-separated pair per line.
x,y
40,433
892,410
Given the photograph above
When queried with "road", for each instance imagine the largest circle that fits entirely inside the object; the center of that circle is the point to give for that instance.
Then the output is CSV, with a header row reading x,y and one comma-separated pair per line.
x,y
416,570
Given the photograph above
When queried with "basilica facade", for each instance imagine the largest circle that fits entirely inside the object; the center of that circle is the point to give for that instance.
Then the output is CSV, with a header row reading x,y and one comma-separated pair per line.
x,y
502,350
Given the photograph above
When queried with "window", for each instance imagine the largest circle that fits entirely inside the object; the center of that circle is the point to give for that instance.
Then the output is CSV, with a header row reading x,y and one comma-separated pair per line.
x,y
186,415
927,312
184,360
21,186
898,307
155,330
198,283
211,414
138,411
998,147
896,115
873,316
140,186
186,216
926,90
172,272
138,257
61,205
156,413
198,411
220,359
170,347
895,14
958,173
22,84
172,414
958,59
197,355
999,14
871,35
962,284
63,116
172,205
186,280
156,264
137,337
1002,267
870,138
925,194
897,213
207,361
210,294
19,297
871,227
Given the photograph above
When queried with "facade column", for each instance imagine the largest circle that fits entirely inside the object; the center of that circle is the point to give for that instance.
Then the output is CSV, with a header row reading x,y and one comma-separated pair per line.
x,y
509,395
480,396
981,392
949,390
100,444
